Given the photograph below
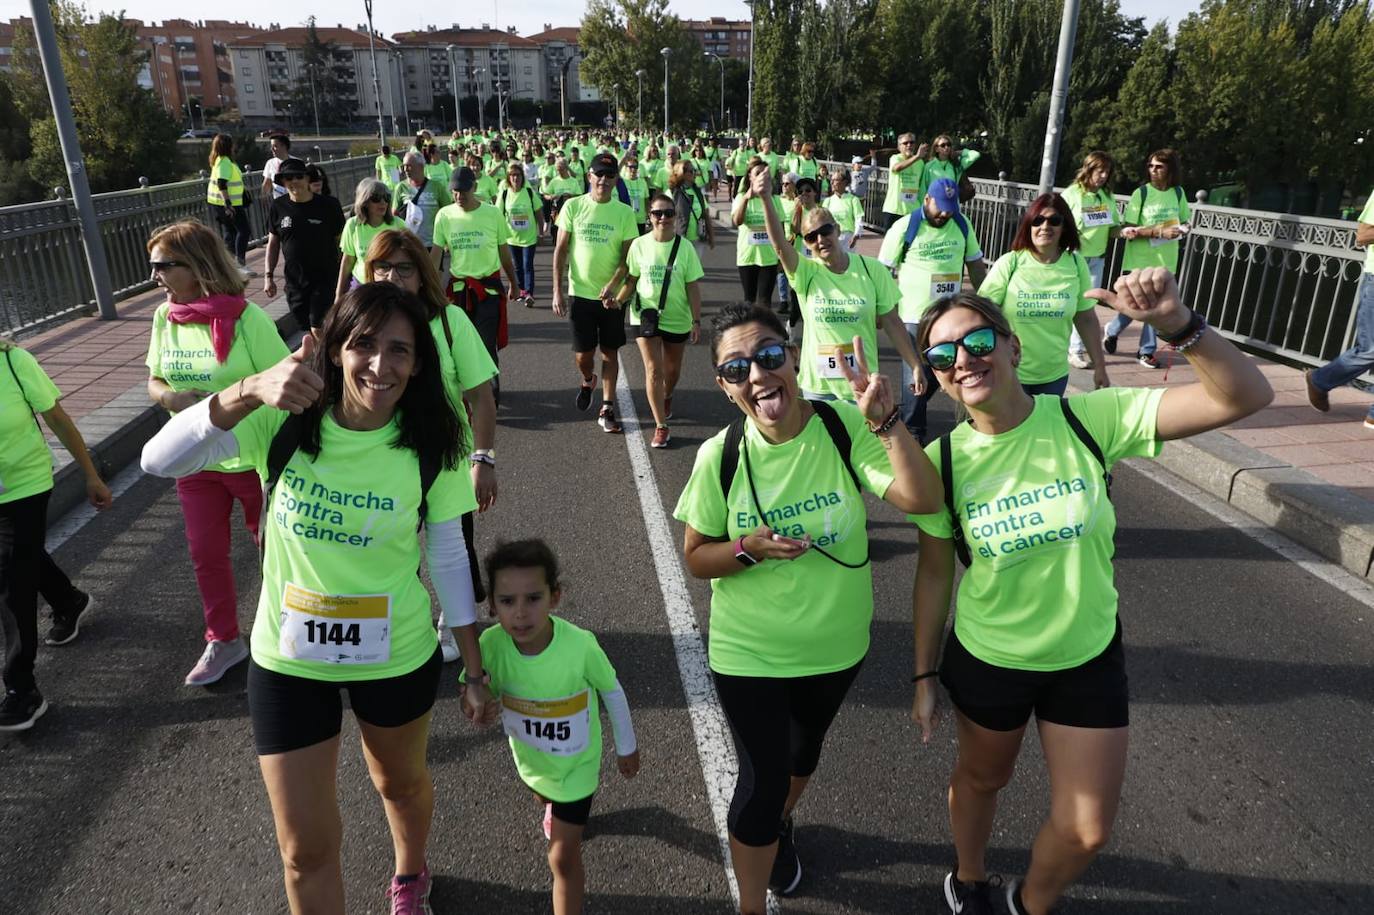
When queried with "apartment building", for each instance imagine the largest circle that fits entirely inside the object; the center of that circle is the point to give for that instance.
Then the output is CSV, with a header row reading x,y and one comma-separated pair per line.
x,y
721,36
487,61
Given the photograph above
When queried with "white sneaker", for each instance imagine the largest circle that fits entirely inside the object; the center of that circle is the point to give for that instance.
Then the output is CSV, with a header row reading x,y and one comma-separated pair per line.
x,y
216,661
1080,360
247,272
447,643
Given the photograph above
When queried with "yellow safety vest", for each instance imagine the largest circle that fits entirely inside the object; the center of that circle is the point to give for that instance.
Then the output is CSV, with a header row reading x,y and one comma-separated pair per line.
x,y
224,169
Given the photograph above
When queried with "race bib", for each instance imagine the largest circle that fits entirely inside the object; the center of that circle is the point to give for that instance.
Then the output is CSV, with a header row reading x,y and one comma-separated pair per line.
x,y
1156,242
560,727
829,359
335,628
909,196
759,237
1096,217
943,284
520,223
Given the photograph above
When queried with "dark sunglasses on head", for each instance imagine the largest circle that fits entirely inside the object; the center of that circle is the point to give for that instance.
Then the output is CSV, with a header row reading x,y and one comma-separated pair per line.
x,y
663,214
404,269
977,342
822,231
161,266
1056,220
770,356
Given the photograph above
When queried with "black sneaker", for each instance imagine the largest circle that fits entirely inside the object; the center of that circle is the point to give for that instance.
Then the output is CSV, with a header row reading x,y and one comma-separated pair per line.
x,y
970,898
66,626
1148,360
19,710
1109,344
786,866
584,394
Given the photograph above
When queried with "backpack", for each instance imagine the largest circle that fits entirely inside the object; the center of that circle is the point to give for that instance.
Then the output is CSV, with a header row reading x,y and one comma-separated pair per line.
x,y
1144,191
913,226
947,475
501,200
839,435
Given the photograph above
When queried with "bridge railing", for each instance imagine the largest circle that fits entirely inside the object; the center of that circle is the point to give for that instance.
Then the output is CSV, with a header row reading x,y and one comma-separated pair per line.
x,y
43,275
1277,284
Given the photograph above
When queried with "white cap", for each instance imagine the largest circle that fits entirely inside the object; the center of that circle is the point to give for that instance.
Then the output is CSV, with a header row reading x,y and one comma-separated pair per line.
x,y
857,160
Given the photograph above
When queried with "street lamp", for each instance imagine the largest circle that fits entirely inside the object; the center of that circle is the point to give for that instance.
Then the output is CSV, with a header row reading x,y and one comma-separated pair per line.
x,y
666,52
453,81
401,75
722,83
639,111
481,117
749,112
376,88
563,86
615,114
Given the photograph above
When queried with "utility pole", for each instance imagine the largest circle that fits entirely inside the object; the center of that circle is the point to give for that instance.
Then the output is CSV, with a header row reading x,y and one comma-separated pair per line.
x,y
376,88
481,115
666,52
453,81
639,107
401,73
722,85
749,111
51,60
1059,98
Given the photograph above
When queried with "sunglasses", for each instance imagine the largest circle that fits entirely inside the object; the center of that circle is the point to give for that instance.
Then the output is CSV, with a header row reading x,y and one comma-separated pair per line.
x,y
978,342
942,146
663,214
379,198
604,172
163,266
1055,221
404,269
769,357
821,231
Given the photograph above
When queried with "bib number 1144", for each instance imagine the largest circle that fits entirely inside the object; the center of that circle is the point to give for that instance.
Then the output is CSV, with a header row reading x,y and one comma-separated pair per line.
x,y
326,633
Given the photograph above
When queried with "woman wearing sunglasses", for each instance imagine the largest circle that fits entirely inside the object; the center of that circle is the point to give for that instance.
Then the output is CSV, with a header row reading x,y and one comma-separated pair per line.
x,y
1042,286
841,295
944,161
1036,628
371,214
791,601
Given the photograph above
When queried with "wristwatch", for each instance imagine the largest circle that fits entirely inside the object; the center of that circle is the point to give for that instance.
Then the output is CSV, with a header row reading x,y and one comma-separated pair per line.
x,y
743,555
483,680
483,456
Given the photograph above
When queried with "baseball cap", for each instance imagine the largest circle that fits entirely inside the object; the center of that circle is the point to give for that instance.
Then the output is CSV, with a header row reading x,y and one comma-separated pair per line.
x,y
945,194
464,179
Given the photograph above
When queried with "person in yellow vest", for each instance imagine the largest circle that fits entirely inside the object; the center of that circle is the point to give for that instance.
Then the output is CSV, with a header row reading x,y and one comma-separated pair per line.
x,y
224,197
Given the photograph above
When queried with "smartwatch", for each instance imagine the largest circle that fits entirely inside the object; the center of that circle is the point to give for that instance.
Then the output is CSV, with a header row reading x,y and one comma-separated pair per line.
x,y
743,555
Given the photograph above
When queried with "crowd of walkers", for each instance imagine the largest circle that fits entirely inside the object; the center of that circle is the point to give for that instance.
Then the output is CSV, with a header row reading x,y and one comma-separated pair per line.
x,y
382,424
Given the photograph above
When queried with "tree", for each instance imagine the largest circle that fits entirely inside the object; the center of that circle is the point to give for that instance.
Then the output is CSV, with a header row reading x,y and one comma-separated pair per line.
x,y
16,186
1142,117
317,87
123,131
619,37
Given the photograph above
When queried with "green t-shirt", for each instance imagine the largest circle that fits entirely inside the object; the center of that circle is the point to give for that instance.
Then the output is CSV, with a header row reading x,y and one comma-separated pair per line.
x,y
638,189
25,461
578,169
225,170
752,247
388,170
1034,508
339,578
357,236
806,168
597,233
1040,301
550,707
940,168
439,171
655,172
486,188
837,307
1094,214
807,616
933,266
1168,207
563,187
519,209
464,365
473,238
422,205
1367,217
184,356
848,211
696,212
771,158
905,191
646,261
739,161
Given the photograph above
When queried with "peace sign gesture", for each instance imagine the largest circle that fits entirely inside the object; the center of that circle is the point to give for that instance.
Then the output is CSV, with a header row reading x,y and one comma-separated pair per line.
x,y
872,391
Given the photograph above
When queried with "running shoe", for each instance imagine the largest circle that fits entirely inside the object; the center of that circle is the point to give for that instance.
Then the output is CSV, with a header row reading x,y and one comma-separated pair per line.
x,y
970,898
548,822
1080,360
1109,343
1318,398
606,419
661,437
1148,360
412,896
787,869
584,394
216,660
18,711
66,626
1014,905
447,643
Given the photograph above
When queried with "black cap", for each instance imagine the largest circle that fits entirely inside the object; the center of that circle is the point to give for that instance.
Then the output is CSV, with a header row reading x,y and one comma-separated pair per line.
x,y
290,167
464,179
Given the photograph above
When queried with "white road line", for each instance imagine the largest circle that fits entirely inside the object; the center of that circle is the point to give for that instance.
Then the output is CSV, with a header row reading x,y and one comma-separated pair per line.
x,y
1315,565
715,748
78,517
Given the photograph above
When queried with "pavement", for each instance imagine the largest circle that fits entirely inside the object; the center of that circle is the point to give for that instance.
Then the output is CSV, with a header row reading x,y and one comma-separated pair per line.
x,y
1306,474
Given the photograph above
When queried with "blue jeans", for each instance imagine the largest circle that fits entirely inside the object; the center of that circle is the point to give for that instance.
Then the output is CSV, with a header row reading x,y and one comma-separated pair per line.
x,y
1148,343
524,266
914,405
1095,267
1359,359
1057,387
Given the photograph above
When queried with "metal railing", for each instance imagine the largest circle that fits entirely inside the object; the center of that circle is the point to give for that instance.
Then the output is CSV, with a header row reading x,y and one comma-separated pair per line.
x,y
1276,284
43,275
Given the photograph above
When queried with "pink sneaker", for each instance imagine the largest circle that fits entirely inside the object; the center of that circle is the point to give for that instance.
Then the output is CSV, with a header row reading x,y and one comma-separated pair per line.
x,y
411,898
548,821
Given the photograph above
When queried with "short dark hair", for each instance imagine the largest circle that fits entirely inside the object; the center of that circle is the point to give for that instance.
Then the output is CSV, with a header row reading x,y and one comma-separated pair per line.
x,y
1068,236
386,150
281,138
522,554
739,314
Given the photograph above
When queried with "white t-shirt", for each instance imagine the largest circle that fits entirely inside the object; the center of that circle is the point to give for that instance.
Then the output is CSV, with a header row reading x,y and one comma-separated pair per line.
x,y
269,173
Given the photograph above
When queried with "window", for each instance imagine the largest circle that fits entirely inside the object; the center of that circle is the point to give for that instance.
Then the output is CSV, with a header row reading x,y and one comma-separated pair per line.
x,y
248,88
247,71
252,105
243,55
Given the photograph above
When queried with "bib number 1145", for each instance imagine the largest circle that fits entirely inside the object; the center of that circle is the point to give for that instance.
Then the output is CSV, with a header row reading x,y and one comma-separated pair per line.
x,y
548,730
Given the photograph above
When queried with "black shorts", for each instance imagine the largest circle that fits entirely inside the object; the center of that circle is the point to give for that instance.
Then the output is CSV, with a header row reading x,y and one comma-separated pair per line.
x,y
309,303
594,325
1091,695
290,713
574,813
662,335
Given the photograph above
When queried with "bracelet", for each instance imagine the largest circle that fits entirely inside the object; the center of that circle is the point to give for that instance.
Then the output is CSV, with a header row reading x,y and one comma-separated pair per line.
x,y
886,425
1194,323
1191,341
478,457
239,392
926,676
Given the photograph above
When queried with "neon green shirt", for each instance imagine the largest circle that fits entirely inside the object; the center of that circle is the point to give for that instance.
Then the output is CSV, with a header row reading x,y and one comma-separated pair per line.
x,y
941,168
638,189
464,365
25,461
388,170
357,235
1367,217
806,168
485,188
1040,301
1040,593
439,171
905,192
702,167
342,547
473,238
807,616
752,247
837,307
848,211
559,187
933,266
646,263
550,706
597,233
183,356
1095,215
1168,207
773,161
225,170
519,209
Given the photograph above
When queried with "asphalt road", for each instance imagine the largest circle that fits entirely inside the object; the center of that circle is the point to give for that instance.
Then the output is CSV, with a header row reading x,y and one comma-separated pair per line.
x,y
1249,787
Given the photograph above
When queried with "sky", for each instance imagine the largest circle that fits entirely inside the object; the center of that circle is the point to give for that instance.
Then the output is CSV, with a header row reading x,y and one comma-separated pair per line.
x,y
528,16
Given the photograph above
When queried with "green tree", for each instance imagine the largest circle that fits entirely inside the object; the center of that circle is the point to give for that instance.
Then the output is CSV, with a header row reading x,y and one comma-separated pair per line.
x,y
16,186
619,37
123,131
317,86
1338,80
1142,117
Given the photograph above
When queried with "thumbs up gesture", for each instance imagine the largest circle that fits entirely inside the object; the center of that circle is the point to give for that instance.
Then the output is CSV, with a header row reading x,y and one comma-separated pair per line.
x,y
293,384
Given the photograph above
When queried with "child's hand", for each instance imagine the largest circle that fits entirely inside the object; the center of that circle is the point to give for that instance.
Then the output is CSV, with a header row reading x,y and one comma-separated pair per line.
x,y
476,698
492,713
628,765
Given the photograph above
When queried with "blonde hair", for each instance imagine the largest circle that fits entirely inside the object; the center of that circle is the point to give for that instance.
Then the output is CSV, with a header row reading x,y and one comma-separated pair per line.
x,y
1091,163
814,217
367,189
385,246
678,179
203,253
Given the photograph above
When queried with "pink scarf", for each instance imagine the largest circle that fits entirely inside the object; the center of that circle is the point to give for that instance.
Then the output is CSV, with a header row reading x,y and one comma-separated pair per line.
x,y
219,311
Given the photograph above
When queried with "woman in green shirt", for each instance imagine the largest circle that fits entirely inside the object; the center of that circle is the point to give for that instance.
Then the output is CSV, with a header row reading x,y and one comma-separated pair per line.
x,y
1036,627
847,209
1095,216
371,214
947,162
521,206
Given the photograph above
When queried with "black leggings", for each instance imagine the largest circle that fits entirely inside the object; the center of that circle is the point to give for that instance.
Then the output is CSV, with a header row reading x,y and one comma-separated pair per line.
x,y
26,571
778,724
758,283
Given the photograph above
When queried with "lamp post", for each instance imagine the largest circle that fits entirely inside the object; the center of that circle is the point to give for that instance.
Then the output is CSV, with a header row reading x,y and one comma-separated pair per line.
x,y
453,81
722,84
615,113
481,117
749,111
563,87
401,75
639,110
666,52
376,88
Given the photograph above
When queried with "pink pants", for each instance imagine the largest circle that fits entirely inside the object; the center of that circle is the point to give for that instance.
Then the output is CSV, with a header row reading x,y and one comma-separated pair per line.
x,y
207,503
